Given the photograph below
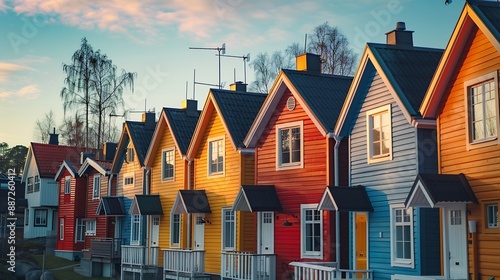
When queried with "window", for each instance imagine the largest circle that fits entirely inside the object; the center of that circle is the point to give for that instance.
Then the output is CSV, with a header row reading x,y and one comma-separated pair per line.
x,y
40,217
175,232
130,155
128,180
311,231
402,236
289,147
482,108
216,156
26,217
67,185
90,228
61,229
29,187
135,230
228,229
379,134
37,184
492,215
80,230
168,161
96,190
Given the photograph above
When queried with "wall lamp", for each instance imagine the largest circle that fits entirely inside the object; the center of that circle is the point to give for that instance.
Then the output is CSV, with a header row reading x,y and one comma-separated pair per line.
x,y
205,221
287,223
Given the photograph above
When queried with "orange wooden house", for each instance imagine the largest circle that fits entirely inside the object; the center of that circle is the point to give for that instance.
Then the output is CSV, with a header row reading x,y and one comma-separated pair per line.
x,y
463,99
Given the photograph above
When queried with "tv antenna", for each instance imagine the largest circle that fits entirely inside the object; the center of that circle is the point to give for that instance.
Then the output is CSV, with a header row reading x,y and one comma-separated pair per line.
x,y
246,58
221,49
201,83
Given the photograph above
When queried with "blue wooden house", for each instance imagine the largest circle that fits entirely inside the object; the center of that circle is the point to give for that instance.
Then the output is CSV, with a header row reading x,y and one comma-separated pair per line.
x,y
389,145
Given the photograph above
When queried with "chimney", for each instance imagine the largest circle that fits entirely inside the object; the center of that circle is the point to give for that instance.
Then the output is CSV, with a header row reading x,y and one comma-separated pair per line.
x,y
308,62
400,36
238,86
109,150
148,118
191,107
54,138
84,155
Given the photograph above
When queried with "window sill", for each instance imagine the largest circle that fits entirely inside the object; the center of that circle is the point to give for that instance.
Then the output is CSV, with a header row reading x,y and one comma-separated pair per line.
x,y
408,264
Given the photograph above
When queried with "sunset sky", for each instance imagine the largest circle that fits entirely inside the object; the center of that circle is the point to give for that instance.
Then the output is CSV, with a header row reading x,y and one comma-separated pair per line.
x,y
152,38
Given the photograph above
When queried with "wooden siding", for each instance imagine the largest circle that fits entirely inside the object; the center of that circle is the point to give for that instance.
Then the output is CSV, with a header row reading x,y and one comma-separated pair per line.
x,y
103,223
387,182
296,186
479,165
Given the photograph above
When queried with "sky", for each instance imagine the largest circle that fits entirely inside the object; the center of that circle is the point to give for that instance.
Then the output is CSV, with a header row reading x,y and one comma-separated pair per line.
x,y
153,38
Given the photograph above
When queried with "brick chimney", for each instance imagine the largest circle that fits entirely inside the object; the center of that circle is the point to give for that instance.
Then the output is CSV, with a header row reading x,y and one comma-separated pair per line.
x,y
400,36
54,138
308,62
238,86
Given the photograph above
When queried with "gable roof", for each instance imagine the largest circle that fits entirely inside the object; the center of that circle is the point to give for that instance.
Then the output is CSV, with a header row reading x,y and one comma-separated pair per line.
x,y
256,198
181,124
237,110
49,157
140,134
191,201
146,205
101,166
353,198
484,15
73,170
111,206
406,71
321,95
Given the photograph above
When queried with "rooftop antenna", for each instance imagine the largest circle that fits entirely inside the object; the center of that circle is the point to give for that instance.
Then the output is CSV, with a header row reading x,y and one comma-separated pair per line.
x,y
305,43
186,90
200,83
221,49
246,58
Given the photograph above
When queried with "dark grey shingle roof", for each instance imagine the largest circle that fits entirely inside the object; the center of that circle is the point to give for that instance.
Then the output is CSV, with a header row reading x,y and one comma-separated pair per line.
x,y
412,69
141,134
353,198
149,204
261,198
324,93
111,206
195,201
490,15
182,124
239,110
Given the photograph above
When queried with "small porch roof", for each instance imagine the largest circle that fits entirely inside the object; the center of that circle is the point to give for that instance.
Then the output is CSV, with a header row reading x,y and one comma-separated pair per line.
x,y
255,198
146,205
111,206
349,199
191,201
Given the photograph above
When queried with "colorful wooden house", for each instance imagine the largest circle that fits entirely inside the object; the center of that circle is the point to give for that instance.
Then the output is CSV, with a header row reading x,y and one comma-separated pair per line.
x,y
296,156
170,172
389,144
133,184
463,101
72,191
221,165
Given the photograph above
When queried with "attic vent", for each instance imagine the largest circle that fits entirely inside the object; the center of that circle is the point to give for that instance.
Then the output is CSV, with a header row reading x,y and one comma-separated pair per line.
x,y
290,103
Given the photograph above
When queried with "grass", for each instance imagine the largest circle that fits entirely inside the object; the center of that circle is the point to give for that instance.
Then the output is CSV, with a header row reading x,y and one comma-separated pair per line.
x,y
54,264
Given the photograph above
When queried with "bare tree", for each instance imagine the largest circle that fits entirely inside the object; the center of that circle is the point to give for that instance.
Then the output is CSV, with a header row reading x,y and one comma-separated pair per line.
x,y
44,126
267,68
72,131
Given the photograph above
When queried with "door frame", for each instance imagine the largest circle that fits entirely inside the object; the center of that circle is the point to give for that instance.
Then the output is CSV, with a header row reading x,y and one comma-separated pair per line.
x,y
260,233
354,239
196,228
445,217
153,233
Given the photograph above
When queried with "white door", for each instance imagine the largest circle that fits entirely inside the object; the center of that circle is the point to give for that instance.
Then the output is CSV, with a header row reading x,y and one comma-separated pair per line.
x,y
199,231
266,232
457,242
155,231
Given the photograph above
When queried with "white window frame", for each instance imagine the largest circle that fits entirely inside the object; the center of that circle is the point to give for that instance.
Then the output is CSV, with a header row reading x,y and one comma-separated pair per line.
x,y
468,85
135,229
164,152
211,172
79,230
61,228
67,185
304,253
225,224
400,262
279,154
90,227
491,208
126,176
175,234
369,135
96,188
36,184
39,214
29,185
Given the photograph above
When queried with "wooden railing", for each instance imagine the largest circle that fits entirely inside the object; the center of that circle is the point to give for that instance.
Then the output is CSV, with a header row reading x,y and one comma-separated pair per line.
x,y
182,261
139,255
327,271
109,248
248,266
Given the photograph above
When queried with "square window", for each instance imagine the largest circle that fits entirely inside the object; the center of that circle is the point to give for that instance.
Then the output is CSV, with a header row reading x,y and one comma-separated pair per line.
x,y
379,134
168,162
128,180
290,145
402,236
216,157
90,228
40,217
311,230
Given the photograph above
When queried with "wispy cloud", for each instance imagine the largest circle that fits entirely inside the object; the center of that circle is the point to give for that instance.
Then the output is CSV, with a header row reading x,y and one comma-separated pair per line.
x,y
26,92
7,68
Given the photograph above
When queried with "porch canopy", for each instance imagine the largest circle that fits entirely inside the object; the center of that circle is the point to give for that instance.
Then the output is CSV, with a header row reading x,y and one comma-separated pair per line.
x,y
191,201
257,198
436,190
146,205
349,199
111,206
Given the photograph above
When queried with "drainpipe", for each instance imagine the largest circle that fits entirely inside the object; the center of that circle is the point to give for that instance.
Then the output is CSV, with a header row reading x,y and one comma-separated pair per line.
x,y
110,179
337,213
189,162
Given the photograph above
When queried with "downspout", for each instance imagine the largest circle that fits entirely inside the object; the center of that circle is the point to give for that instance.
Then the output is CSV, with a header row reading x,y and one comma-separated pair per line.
x,y
145,234
189,162
337,213
110,179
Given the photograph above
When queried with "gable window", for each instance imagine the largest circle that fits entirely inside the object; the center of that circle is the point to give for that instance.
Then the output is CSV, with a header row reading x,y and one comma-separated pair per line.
x,y
130,155
402,236
168,161
379,134
128,180
80,230
36,184
311,232
90,227
175,232
482,109
290,145
40,218
96,190
216,156
67,185
228,229
135,230
29,187
61,229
